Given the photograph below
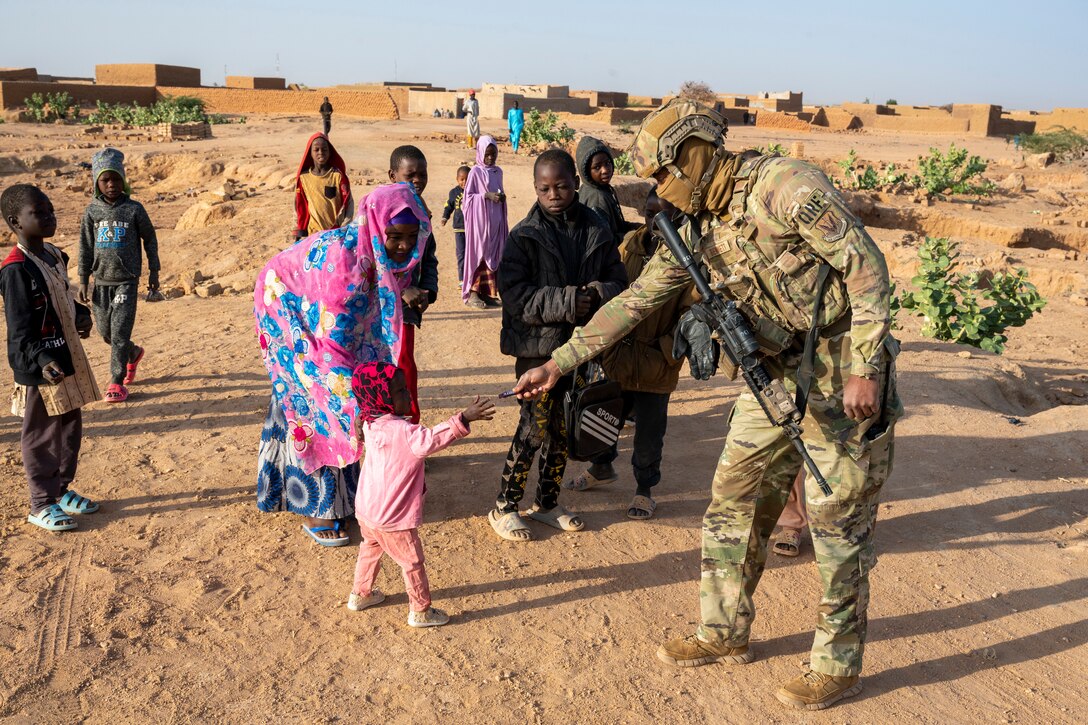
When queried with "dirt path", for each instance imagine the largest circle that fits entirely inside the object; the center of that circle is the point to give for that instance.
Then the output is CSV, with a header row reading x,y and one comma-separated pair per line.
x,y
180,602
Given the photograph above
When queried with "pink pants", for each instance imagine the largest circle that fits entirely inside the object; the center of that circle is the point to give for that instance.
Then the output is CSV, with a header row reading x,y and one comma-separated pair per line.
x,y
793,516
403,547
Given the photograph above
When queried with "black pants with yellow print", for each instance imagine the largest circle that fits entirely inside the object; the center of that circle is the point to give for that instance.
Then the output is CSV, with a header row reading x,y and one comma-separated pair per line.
x,y
541,428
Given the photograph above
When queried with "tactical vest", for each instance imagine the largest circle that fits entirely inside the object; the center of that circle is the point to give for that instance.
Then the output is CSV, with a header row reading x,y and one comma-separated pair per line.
x,y
771,272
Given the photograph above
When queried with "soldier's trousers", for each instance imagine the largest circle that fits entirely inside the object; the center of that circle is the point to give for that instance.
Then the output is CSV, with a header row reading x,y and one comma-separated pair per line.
x,y
752,483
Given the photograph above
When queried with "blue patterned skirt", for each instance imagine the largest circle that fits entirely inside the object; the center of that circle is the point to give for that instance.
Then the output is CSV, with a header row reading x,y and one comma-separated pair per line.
x,y
282,484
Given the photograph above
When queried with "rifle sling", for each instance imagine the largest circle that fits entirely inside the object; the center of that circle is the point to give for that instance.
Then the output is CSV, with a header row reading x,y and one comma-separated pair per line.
x,y
808,357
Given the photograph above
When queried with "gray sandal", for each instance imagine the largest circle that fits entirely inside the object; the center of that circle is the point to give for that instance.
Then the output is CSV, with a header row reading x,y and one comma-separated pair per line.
x,y
509,526
557,517
641,508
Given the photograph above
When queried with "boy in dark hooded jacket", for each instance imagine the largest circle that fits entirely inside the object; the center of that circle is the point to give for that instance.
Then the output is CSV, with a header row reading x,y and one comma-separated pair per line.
x,y
113,228
596,166
560,264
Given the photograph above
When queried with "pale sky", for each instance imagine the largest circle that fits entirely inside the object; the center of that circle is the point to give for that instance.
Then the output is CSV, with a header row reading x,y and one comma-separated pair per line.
x,y
1015,54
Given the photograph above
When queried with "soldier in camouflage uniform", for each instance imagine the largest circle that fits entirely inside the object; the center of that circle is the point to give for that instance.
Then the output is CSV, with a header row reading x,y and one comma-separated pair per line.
x,y
776,236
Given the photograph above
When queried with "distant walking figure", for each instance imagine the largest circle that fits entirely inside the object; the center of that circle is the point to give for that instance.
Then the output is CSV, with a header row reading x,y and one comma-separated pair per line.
x,y
472,119
326,115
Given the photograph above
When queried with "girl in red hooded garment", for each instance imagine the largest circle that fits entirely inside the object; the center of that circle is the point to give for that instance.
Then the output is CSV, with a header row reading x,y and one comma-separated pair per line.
x,y
322,190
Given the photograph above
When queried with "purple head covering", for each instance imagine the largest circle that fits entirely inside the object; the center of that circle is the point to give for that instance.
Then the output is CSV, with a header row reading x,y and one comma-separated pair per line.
x,y
485,221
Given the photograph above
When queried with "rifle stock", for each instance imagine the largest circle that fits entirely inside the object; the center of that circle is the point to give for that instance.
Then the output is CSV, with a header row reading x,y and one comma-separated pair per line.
x,y
741,347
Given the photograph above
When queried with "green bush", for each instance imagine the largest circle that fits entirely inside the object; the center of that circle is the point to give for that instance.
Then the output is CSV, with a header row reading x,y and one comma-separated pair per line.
x,y
545,127
959,308
624,167
891,102
51,107
1064,143
953,172
171,109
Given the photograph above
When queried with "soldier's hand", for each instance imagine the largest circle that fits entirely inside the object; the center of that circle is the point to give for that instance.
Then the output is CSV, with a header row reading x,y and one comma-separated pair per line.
x,y
537,381
693,340
861,398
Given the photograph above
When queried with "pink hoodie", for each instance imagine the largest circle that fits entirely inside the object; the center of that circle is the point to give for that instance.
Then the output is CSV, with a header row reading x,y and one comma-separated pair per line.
x,y
391,486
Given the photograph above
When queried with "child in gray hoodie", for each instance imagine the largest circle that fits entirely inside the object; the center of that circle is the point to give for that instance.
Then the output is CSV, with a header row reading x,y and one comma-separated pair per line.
x,y
109,249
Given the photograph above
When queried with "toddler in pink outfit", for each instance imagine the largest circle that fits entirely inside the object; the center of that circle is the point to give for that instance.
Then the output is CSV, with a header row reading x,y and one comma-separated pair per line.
x,y
389,502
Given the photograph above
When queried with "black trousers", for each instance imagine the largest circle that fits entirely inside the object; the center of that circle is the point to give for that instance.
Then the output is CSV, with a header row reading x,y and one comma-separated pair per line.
x,y
652,418
540,428
114,308
326,122
50,450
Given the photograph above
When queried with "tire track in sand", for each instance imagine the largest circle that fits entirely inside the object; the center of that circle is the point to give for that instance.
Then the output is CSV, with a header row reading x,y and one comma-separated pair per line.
x,y
55,630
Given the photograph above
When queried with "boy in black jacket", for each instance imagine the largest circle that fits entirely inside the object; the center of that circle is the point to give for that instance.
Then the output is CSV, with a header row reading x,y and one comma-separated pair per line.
x,y
596,166
560,264
44,328
453,209
408,165
109,248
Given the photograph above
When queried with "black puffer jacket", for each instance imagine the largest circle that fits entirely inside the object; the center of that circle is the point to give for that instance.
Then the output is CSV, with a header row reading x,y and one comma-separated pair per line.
x,y
538,280
601,199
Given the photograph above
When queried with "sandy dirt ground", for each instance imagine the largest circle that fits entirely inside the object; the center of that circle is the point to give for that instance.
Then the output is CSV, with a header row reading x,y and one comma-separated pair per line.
x,y
180,602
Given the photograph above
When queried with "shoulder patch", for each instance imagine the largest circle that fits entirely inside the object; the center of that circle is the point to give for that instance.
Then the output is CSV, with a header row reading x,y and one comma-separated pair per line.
x,y
813,207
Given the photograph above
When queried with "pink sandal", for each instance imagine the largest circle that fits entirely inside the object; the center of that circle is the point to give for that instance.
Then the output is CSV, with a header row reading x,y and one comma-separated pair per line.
x,y
130,369
116,393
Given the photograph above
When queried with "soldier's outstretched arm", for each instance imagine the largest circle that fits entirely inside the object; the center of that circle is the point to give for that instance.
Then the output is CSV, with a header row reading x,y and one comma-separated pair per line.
x,y
661,280
804,199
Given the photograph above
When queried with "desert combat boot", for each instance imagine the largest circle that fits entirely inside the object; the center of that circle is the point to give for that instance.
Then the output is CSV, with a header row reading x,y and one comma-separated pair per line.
x,y
816,691
691,651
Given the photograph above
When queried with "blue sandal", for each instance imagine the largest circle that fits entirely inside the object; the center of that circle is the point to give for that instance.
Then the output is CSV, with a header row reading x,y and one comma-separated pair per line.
x,y
52,518
73,503
341,540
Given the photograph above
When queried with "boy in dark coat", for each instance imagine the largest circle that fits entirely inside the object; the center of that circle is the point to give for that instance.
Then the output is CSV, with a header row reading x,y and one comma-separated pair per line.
x,y
648,369
52,376
596,166
560,264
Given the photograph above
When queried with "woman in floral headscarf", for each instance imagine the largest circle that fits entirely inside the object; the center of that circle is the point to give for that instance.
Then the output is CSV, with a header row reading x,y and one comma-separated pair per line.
x,y
323,306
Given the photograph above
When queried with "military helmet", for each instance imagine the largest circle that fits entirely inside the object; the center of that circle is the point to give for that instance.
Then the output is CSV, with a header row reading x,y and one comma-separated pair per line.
x,y
662,132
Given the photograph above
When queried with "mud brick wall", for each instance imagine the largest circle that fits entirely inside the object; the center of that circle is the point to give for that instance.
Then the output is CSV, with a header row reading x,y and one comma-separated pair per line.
x,y
981,118
13,94
602,99
263,83
423,103
362,104
836,119
147,74
770,119
1063,117
18,74
653,101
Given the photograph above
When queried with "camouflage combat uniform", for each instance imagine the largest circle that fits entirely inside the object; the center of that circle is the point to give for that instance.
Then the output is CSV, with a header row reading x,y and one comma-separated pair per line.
x,y
784,220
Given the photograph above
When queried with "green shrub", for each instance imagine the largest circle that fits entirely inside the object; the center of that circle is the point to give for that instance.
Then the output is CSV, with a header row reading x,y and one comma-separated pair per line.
x,y
891,102
954,172
959,308
171,109
626,127
624,167
1064,143
51,107
545,127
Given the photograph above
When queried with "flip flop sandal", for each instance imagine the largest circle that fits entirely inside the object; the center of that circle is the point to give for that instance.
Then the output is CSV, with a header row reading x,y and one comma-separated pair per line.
x,y
130,369
787,543
506,524
557,517
476,304
586,480
313,532
641,508
73,503
53,518
116,393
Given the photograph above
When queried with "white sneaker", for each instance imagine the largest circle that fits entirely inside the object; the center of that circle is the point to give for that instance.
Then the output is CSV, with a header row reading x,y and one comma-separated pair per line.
x,y
430,617
357,602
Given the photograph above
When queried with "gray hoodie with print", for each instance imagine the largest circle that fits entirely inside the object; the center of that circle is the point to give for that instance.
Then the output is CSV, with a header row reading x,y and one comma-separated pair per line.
x,y
109,242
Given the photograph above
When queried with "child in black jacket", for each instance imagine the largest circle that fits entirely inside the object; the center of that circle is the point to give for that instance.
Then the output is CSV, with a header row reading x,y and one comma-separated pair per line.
x,y
52,376
560,264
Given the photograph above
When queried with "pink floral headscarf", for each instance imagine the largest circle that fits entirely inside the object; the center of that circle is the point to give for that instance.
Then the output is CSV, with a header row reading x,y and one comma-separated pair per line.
x,y
326,304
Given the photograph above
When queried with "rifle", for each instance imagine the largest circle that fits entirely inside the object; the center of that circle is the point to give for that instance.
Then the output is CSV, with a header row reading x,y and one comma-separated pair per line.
x,y
741,347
